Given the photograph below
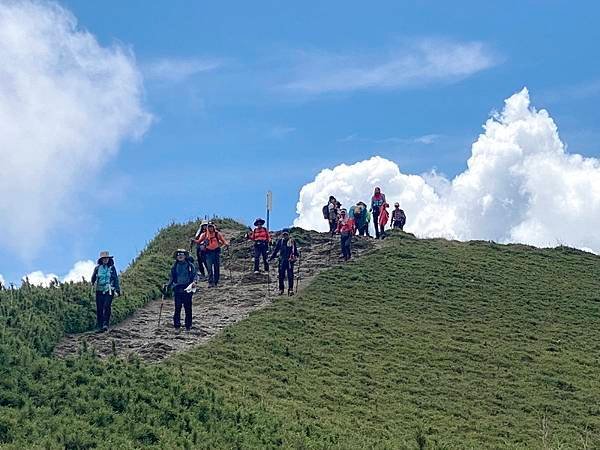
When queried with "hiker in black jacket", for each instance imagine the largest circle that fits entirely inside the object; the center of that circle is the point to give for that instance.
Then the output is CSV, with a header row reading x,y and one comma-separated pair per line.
x,y
183,277
288,255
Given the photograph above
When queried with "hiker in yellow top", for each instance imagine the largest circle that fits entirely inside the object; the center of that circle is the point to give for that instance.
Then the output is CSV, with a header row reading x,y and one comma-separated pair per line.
x,y
212,240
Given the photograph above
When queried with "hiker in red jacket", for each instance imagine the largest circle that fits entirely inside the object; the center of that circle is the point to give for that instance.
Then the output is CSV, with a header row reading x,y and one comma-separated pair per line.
x,y
346,229
261,237
384,216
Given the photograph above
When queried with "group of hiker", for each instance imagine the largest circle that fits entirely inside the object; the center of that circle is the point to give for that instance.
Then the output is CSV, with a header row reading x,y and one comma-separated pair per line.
x,y
356,219
186,273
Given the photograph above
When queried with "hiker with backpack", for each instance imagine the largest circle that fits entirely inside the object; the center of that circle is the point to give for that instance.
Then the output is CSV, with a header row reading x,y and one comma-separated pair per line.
x,y
384,216
213,241
106,282
398,217
261,237
359,214
330,213
201,251
346,229
182,280
377,202
288,255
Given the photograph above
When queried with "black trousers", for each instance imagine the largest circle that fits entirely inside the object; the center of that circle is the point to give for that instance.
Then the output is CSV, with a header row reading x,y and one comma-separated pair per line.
x,y
332,226
376,223
346,243
184,299
213,265
202,266
399,224
103,308
286,270
261,249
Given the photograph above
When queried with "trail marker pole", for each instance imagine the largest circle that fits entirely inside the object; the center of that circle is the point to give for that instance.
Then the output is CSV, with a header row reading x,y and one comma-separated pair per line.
x,y
269,208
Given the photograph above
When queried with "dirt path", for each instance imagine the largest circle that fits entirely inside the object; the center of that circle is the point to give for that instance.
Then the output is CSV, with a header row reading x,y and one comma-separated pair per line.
x,y
214,309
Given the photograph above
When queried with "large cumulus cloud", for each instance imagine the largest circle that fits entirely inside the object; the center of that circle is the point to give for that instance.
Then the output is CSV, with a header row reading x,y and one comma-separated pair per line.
x,y
66,104
520,185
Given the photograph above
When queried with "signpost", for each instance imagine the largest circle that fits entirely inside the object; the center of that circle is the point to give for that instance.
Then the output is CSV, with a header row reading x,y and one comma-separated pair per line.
x,y
269,207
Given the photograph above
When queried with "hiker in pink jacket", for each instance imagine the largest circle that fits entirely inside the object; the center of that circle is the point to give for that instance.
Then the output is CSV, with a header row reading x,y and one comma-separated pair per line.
x,y
384,217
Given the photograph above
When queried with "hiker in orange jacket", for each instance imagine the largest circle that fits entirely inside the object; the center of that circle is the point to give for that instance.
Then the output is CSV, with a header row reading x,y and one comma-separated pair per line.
x,y
261,237
212,240
346,229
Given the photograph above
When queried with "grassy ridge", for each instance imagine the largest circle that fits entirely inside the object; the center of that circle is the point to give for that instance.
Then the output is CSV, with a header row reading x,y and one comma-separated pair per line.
x,y
422,344
436,343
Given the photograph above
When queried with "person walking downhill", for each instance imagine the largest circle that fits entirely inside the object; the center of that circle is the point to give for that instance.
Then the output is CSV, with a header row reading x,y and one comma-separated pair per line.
x,y
213,240
398,217
201,251
377,202
261,237
384,216
346,229
288,255
359,214
182,280
106,281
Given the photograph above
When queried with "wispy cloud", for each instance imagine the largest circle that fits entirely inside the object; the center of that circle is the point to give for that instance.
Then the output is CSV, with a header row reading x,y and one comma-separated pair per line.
x,y
577,91
176,70
411,64
279,132
426,139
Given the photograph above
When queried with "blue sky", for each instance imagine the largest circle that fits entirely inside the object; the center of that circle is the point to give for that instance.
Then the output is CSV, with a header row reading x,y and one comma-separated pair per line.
x,y
243,102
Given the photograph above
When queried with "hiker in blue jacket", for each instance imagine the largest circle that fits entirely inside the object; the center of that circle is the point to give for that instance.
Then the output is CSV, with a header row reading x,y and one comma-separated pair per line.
x,y
106,282
288,255
183,278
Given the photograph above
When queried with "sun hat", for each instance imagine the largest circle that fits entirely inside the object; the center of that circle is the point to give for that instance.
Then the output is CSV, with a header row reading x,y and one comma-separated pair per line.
x,y
104,254
259,221
181,250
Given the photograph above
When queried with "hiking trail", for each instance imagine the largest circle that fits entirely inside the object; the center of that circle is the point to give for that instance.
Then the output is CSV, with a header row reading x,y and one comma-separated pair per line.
x,y
214,309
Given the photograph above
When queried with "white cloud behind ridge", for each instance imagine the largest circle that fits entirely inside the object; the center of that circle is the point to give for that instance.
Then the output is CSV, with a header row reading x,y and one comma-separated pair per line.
x,y
520,185
66,105
80,270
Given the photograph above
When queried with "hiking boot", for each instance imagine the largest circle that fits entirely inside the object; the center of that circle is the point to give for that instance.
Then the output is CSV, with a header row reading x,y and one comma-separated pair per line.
x,y
177,330
291,292
256,272
188,329
105,328
280,291
212,285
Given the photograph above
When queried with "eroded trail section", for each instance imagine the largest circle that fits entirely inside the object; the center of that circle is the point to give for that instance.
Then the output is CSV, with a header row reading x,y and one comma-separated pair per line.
x,y
239,293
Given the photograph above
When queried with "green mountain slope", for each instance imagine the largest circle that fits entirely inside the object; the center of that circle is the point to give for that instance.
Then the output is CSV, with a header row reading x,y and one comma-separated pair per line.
x,y
423,343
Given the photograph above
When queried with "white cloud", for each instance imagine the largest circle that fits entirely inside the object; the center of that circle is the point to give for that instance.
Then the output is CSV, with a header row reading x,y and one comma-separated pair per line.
x,y
66,104
520,185
179,69
414,64
2,280
81,269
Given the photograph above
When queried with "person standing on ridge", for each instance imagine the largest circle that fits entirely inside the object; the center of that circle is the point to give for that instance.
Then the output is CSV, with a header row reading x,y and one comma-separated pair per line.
x,y
377,202
261,237
182,280
332,214
201,251
346,229
106,281
288,255
398,217
384,216
359,214
213,241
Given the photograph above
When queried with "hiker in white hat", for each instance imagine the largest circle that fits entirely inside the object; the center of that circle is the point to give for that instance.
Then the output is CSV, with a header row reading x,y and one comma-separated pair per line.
x,y
106,282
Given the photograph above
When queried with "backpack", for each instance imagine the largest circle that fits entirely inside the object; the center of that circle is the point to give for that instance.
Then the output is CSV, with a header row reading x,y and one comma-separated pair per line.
x,y
326,212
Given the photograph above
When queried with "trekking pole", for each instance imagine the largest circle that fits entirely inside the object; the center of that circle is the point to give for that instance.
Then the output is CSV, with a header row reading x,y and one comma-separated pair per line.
x,y
162,303
298,276
229,263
